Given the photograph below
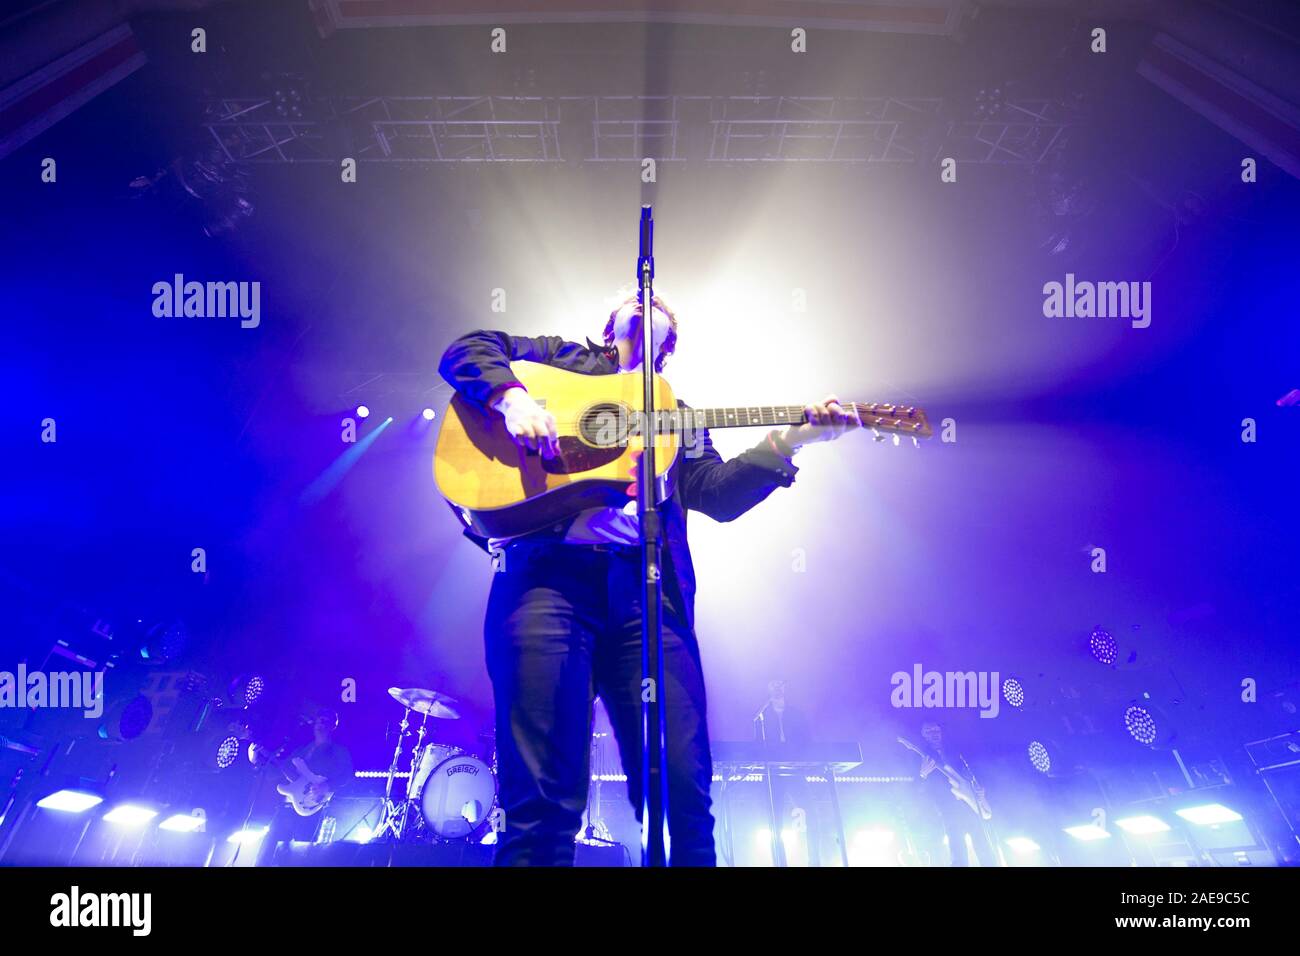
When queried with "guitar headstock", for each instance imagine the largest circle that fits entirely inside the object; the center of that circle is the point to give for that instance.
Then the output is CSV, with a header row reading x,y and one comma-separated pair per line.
x,y
894,419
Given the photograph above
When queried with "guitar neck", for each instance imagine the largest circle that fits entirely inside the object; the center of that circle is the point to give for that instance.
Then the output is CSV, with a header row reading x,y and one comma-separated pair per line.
x,y
921,753
902,419
745,416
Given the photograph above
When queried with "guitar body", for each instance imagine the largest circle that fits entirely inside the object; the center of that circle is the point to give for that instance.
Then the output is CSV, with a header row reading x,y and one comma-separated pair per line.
x,y
500,489
963,791
295,791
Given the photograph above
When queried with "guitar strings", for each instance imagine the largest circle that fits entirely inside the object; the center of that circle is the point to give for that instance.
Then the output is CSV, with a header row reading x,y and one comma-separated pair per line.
x,y
859,408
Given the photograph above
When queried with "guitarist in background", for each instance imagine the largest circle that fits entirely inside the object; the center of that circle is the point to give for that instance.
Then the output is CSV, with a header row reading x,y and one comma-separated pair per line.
x,y
324,757
958,819
564,617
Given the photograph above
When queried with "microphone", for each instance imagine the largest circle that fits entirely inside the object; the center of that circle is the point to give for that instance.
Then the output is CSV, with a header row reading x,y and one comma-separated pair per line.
x,y
645,251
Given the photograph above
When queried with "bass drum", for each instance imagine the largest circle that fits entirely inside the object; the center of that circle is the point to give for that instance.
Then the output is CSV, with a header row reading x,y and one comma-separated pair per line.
x,y
432,755
458,797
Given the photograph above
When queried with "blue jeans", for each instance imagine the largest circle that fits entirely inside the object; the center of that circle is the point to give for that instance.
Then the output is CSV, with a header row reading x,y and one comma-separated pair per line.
x,y
563,626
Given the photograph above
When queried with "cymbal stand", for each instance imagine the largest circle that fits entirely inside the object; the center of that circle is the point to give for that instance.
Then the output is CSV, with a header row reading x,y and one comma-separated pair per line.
x,y
392,816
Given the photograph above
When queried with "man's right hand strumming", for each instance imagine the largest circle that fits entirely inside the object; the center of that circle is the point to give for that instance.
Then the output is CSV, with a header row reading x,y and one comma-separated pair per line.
x,y
531,426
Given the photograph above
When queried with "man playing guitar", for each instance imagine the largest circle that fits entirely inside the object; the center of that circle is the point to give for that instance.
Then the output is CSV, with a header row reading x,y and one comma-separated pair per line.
x,y
564,619
959,800
316,770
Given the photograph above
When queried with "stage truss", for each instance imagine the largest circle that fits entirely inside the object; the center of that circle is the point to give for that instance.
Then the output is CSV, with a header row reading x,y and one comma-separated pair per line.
x,y
605,129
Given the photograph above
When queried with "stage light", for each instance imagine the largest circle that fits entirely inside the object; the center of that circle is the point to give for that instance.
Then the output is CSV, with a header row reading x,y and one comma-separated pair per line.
x,y
874,838
130,815
251,688
182,823
1088,832
428,414
1103,646
763,837
245,688
873,846
227,751
247,835
70,801
325,482
988,104
1209,814
209,181
1140,724
289,96
1022,845
1039,757
164,641
363,411
127,719
1142,825
1013,693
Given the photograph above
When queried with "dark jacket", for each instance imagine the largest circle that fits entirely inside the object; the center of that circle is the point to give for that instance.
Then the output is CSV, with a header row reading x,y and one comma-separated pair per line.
x,y
332,761
477,366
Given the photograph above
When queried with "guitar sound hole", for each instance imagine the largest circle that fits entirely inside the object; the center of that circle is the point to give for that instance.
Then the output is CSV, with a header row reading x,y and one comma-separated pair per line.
x,y
604,426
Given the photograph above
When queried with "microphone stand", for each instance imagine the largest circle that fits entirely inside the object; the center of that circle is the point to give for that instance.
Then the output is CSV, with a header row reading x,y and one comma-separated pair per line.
x,y
774,818
654,781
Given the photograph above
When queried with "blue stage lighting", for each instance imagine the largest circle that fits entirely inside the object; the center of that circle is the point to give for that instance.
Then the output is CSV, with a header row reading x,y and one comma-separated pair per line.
x,y
1088,832
1142,825
1013,692
1209,814
1139,722
1103,646
130,815
227,751
183,823
253,689
1039,757
70,801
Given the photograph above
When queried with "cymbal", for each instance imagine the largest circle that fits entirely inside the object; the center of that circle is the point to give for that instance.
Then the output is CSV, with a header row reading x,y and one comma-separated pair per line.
x,y
424,701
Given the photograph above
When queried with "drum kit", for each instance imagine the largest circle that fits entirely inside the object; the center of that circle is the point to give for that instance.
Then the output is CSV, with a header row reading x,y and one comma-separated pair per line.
x,y
450,795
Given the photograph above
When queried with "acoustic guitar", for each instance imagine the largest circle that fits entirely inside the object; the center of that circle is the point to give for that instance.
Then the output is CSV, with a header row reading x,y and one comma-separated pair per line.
x,y
499,489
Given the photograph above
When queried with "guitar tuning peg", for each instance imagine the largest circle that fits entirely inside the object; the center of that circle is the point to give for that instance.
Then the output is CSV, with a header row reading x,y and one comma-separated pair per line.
x,y
876,436
915,442
896,441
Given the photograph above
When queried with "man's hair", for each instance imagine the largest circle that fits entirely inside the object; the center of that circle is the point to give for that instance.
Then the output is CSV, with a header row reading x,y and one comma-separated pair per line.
x,y
628,296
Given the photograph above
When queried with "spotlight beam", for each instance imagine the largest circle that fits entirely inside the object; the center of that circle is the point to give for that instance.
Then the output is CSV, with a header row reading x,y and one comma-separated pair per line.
x,y
326,481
